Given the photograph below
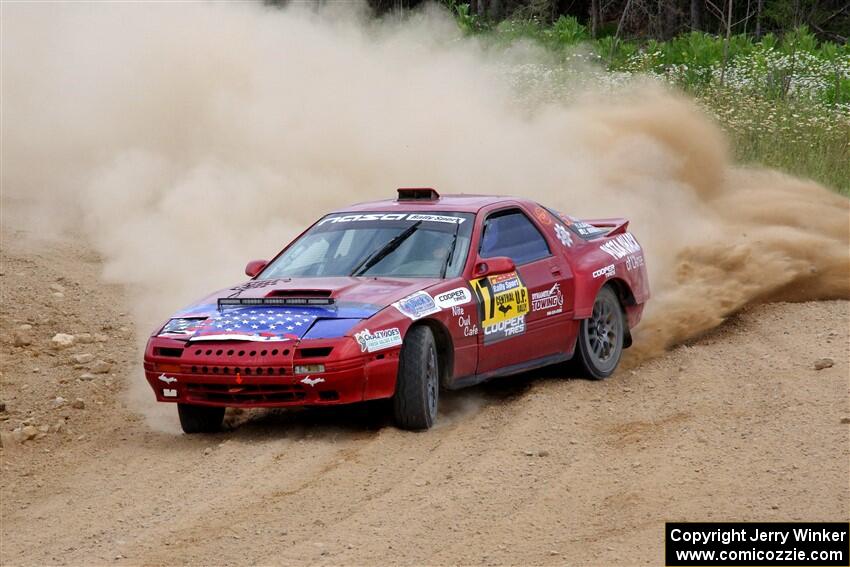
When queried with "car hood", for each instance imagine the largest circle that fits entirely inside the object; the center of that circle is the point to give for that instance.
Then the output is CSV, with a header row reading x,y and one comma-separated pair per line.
x,y
352,299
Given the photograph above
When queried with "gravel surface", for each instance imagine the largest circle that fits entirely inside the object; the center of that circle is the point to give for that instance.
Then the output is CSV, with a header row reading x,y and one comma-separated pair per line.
x,y
748,423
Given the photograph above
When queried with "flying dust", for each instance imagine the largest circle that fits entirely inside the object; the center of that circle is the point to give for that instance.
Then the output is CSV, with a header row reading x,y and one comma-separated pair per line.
x,y
184,139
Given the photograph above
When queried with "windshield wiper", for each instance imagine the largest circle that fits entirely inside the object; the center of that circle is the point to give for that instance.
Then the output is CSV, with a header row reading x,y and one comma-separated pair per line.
x,y
451,252
386,250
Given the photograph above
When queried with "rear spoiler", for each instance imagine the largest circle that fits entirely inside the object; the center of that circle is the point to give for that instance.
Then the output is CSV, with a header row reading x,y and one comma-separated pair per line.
x,y
615,226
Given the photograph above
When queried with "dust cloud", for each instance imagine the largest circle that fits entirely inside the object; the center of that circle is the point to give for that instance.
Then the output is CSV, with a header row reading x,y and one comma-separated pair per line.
x,y
184,139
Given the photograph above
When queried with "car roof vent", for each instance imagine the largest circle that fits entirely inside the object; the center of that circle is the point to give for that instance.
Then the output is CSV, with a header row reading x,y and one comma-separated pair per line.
x,y
417,194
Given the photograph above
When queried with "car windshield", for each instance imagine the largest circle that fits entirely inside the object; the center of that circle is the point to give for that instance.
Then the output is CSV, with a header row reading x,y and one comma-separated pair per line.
x,y
402,245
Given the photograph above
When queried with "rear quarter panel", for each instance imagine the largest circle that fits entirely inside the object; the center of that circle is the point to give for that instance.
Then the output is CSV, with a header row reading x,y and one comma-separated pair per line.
x,y
619,259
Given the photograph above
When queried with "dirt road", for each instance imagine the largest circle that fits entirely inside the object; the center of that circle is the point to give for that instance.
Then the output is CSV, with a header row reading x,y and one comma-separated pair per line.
x,y
539,469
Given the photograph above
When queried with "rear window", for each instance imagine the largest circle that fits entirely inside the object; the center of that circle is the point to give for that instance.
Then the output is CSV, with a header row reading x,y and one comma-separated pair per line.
x,y
580,228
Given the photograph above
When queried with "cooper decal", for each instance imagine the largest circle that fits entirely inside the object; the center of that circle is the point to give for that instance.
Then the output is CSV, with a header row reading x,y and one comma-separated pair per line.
x,y
504,329
551,300
169,393
607,271
621,246
379,340
458,296
563,235
417,305
502,304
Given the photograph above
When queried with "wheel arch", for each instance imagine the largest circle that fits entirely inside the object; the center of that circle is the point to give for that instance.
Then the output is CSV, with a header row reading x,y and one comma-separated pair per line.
x,y
445,347
626,298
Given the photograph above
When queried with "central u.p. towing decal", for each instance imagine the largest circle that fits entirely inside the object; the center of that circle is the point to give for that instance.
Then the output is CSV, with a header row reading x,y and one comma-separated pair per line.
x,y
502,305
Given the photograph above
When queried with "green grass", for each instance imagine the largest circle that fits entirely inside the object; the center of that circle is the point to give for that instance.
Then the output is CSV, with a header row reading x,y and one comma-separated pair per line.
x,y
785,102
799,138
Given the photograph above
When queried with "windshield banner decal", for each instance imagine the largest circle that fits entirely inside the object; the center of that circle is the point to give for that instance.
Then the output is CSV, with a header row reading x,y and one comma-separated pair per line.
x,y
412,217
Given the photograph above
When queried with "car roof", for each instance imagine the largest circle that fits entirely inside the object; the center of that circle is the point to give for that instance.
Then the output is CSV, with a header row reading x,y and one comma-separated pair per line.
x,y
461,203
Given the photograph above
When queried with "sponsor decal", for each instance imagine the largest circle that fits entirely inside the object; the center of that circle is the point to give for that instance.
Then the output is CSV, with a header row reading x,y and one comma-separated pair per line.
x,y
167,379
621,246
458,296
412,217
504,282
379,340
543,216
586,229
607,271
504,329
421,304
435,218
583,229
312,381
563,235
257,284
502,304
550,300
169,393
182,325
417,305
634,262
464,321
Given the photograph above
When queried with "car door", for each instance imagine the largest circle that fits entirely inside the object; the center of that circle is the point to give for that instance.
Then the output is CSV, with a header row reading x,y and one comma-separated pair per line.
x,y
518,310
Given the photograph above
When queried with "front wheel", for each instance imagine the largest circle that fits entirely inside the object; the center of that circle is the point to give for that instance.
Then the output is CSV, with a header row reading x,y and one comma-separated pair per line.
x,y
600,338
418,385
200,419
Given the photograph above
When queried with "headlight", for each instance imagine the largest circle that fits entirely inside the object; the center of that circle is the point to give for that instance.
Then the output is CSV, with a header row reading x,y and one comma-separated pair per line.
x,y
309,368
182,326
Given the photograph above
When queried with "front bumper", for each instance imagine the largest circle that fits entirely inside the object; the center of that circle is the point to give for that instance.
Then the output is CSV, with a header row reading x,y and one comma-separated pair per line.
x,y
246,374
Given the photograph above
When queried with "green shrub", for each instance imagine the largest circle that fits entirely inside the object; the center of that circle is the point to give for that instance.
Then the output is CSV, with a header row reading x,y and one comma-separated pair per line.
x,y
564,32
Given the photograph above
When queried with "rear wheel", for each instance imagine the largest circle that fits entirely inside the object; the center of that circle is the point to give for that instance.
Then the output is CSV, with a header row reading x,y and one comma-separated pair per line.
x,y
600,339
200,419
418,385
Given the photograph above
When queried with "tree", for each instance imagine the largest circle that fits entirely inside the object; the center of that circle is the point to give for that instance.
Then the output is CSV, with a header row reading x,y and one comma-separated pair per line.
x,y
696,14
594,18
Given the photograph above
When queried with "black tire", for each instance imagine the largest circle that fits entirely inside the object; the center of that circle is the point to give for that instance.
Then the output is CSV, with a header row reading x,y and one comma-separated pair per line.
x,y
600,337
200,419
417,388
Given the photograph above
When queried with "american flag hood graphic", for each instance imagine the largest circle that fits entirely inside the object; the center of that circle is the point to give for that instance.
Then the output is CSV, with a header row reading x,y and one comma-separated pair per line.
x,y
271,310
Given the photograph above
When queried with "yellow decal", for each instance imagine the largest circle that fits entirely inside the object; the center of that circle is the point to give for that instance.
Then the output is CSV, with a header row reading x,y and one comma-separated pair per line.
x,y
500,298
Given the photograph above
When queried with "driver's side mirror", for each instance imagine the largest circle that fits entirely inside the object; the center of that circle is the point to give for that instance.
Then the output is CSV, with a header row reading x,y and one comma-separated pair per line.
x,y
254,267
495,265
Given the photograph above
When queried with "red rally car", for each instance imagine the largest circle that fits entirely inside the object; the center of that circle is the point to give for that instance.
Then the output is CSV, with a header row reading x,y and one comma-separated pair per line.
x,y
400,298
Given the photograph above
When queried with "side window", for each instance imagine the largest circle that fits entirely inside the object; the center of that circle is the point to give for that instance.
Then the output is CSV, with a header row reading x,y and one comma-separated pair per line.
x,y
510,233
